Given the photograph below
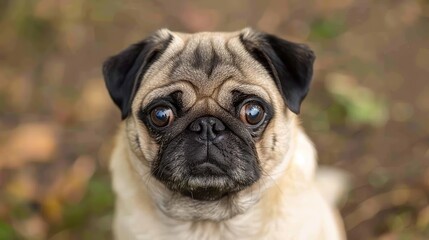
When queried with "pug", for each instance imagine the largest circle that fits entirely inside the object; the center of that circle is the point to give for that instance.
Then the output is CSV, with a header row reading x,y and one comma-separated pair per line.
x,y
210,145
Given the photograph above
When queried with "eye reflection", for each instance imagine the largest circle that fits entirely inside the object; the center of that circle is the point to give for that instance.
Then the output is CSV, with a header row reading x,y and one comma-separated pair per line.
x,y
252,113
161,116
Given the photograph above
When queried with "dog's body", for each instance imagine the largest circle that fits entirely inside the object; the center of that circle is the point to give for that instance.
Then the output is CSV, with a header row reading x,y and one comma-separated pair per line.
x,y
208,148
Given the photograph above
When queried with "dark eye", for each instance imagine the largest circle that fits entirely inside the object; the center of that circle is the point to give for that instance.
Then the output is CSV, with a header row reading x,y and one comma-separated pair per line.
x,y
161,116
252,113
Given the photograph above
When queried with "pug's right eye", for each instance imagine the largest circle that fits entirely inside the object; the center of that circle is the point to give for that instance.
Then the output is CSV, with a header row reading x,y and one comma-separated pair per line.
x,y
161,116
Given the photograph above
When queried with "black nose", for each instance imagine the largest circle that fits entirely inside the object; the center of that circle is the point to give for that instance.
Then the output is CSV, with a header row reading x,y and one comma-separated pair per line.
x,y
207,127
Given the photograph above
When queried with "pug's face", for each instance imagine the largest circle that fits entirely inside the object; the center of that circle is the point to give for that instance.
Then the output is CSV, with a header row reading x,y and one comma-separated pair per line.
x,y
209,116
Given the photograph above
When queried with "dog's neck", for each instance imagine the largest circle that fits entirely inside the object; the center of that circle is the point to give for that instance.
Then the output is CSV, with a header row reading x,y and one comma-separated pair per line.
x,y
138,214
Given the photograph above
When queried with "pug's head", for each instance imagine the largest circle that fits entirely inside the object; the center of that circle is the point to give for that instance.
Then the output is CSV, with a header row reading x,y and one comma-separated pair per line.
x,y
209,116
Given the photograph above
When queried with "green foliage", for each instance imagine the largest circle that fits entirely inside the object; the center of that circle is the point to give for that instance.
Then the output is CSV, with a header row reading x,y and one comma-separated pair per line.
x,y
93,210
7,231
37,32
356,103
327,28
100,196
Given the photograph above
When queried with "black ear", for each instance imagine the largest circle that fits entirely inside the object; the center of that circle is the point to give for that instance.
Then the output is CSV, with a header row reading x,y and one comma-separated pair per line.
x,y
124,71
289,64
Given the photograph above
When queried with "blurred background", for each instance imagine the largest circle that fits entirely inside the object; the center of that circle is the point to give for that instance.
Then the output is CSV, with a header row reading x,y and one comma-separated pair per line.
x,y
367,112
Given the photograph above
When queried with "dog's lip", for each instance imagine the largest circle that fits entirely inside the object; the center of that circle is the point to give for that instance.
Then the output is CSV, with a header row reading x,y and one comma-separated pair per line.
x,y
207,188
208,168
205,194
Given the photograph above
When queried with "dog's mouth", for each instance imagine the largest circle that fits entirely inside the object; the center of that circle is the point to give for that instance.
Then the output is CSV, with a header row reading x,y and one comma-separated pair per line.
x,y
205,194
206,182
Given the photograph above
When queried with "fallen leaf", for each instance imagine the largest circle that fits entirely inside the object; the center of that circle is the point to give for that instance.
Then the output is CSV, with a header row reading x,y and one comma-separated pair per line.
x,y
52,208
31,142
23,186
74,185
32,228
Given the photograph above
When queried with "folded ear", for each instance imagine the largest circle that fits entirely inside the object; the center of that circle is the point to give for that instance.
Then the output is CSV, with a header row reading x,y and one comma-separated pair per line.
x,y
289,64
124,71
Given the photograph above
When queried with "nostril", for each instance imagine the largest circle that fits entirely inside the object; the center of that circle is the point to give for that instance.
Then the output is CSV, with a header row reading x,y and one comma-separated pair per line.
x,y
195,126
212,121
218,126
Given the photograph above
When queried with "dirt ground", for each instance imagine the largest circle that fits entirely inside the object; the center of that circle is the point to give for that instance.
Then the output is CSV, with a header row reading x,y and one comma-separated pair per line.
x,y
367,111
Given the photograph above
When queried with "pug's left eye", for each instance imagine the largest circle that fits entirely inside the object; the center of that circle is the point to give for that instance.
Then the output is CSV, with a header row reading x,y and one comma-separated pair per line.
x,y
252,113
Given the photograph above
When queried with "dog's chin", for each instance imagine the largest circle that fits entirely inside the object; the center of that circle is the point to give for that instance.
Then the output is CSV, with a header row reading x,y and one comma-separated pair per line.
x,y
205,193
203,203
206,187
211,188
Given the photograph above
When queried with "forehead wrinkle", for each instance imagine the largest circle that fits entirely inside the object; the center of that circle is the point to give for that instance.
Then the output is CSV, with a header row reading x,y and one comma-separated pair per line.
x,y
213,53
188,93
226,67
207,106
225,90
233,55
204,56
167,59
183,69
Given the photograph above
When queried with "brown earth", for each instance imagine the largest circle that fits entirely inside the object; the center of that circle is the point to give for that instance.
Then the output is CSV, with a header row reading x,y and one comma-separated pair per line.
x,y
367,112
